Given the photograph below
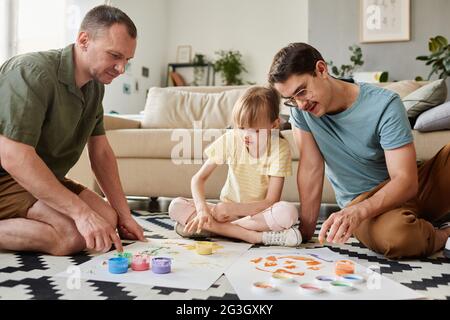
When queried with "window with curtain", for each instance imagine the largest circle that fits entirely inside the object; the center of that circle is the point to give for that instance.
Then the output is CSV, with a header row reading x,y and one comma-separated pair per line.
x,y
30,25
4,30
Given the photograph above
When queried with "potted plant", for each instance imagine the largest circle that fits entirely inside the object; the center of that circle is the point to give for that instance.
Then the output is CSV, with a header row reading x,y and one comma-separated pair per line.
x,y
230,66
346,70
199,68
439,58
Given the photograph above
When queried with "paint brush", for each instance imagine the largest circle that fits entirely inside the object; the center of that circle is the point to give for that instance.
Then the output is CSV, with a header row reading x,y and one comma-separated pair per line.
x,y
318,257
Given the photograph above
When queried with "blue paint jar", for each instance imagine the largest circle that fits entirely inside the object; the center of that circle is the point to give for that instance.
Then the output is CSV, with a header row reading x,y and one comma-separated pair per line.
x,y
118,265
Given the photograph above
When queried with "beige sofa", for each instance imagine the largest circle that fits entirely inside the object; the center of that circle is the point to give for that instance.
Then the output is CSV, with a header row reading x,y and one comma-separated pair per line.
x,y
147,150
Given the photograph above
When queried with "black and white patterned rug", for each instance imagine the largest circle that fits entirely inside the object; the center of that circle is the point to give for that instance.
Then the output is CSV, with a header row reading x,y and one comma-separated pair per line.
x,y
25,276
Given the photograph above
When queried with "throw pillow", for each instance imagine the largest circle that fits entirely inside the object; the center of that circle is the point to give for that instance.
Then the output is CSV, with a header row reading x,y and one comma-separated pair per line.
x,y
402,88
177,79
434,119
168,108
425,98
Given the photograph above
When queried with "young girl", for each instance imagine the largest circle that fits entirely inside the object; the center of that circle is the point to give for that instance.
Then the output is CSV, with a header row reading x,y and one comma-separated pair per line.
x,y
258,159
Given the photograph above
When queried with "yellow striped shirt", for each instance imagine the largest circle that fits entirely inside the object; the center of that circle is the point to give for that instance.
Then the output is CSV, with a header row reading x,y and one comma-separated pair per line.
x,y
248,177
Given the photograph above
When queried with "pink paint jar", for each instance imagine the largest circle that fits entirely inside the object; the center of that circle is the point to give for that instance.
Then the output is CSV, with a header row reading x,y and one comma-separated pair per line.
x,y
140,262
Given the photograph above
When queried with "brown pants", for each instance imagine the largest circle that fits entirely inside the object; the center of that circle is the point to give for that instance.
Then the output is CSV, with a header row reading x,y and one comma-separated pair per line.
x,y
407,231
15,200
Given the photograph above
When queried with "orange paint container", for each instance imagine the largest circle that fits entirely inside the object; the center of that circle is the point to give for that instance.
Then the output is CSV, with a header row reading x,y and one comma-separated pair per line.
x,y
344,267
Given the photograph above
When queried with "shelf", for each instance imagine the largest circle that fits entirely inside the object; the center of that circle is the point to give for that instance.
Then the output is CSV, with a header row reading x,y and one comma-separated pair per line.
x,y
210,74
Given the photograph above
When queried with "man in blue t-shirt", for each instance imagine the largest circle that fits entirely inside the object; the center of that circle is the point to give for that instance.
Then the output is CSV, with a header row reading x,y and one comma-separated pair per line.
x,y
359,136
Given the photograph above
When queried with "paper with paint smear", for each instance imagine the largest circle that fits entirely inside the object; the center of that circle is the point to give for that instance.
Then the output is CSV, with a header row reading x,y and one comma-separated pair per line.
x,y
189,269
304,265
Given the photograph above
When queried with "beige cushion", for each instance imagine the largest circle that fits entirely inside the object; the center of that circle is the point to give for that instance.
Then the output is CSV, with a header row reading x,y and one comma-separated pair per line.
x,y
209,89
425,98
113,122
185,144
402,88
429,143
175,144
169,108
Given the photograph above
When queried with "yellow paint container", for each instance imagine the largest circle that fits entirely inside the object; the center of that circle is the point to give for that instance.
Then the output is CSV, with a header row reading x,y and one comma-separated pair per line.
x,y
204,247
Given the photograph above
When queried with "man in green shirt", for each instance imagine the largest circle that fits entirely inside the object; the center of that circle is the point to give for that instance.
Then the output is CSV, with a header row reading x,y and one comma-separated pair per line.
x,y
50,107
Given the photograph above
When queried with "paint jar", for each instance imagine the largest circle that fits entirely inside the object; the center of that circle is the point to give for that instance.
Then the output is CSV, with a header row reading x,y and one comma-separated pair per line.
x,y
353,278
118,265
278,278
204,247
161,265
126,255
340,286
309,288
263,287
325,279
140,262
343,267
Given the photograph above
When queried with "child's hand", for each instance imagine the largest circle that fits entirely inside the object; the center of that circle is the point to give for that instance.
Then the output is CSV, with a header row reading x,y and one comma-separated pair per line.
x,y
196,224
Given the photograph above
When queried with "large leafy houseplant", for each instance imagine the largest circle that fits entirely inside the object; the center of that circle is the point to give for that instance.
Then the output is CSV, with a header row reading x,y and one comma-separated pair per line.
x,y
439,58
230,66
346,70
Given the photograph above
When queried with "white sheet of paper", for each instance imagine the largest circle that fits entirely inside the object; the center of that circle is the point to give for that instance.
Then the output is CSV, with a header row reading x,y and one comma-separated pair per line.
x,y
189,269
243,273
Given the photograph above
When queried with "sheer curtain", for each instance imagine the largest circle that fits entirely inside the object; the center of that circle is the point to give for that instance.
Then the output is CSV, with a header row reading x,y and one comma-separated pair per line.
x,y
30,25
5,47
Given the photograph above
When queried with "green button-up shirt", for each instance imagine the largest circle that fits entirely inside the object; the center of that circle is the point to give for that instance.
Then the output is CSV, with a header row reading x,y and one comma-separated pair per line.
x,y
40,105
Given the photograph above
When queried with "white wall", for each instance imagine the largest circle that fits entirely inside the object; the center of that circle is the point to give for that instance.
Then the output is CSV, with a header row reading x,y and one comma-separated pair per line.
x,y
257,28
150,17
334,27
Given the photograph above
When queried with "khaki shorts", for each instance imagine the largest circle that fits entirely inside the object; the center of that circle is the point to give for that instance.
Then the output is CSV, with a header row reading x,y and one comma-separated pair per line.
x,y
15,200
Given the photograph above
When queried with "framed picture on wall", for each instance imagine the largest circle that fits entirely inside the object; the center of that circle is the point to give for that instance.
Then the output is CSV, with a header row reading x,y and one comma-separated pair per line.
x,y
184,54
385,20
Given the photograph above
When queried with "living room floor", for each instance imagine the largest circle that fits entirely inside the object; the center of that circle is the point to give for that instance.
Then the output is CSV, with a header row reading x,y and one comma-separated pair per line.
x,y
25,276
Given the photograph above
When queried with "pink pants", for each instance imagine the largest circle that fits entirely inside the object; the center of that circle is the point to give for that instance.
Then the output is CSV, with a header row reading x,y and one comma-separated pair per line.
x,y
281,216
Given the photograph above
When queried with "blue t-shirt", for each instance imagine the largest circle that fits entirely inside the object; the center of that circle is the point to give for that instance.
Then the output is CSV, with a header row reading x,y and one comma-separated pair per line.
x,y
353,141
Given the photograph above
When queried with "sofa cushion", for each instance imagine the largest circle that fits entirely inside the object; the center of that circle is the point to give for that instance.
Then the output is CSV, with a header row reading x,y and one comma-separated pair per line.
x,y
170,108
174,144
429,143
425,98
210,89
437,118
116,122
402,88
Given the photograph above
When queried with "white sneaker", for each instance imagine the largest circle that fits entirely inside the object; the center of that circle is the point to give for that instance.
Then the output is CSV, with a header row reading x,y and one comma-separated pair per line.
x,y
288,238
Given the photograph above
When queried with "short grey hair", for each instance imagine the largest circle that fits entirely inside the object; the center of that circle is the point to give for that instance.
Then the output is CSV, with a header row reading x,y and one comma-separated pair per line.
x,y
104,16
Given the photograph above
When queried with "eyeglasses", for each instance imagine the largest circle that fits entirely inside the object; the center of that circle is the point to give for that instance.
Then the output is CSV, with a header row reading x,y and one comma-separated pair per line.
x,y
300,95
